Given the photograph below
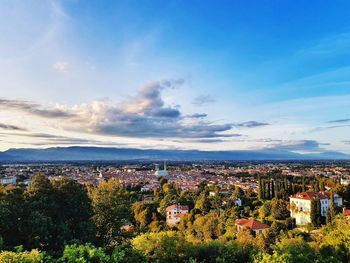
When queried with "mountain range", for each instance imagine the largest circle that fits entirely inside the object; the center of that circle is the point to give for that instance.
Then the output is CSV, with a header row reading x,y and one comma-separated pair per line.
x,y
77,153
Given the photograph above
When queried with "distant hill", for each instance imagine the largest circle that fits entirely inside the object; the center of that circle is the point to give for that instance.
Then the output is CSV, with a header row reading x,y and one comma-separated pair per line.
x,y
76,153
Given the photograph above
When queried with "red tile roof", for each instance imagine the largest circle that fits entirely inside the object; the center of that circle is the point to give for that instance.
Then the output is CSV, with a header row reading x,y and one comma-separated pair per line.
x,y
346,212
311,195
180,207
251,223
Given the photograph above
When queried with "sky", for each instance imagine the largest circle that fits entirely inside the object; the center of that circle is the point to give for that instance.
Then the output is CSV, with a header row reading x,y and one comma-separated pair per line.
x,y
207,75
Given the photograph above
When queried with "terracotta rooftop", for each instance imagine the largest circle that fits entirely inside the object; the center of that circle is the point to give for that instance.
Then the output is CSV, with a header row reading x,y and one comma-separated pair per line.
x,y
346,212
311,195
251,223
178,206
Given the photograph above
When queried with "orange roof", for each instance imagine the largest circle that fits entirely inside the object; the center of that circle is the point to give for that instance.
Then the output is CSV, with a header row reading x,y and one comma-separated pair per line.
x,y
311,195
346,212
178,206
251,223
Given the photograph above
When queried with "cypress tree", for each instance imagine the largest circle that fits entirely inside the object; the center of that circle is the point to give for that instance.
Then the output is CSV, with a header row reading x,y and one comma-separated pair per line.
x,y
268,188
303,186
285,184
315,212
259,188
331,207
316,188
276,189
322,186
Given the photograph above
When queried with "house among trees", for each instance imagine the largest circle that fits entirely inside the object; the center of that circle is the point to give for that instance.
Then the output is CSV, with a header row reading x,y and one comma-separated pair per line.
x,y
346,212
8,180
174,212
301,205
251,224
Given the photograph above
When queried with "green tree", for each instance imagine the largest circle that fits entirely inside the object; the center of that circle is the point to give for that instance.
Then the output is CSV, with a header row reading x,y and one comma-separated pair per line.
x,y
84,254
111,210
331,207
142,213
12,215
279,209
202,203
74,212
33,256
126,254
39,225
289,250
169,246
315,212
260,190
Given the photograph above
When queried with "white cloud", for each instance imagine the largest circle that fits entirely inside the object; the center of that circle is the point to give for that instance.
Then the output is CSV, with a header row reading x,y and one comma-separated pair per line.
x,y
61,66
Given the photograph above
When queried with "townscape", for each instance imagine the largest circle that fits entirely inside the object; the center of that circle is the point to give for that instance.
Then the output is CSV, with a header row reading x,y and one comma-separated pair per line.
x,y
234,211
174,131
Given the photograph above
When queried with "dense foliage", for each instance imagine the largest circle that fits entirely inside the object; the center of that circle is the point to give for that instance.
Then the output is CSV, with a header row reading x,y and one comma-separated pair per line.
x,y
60,220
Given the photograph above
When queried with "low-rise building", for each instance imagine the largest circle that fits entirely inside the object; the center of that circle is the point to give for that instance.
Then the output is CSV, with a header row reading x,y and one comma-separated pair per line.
x,y
8,180
174,212
300,205
346,212
251,224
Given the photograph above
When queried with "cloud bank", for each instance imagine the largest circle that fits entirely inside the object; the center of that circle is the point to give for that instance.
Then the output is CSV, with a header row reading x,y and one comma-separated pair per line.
x,y
145,115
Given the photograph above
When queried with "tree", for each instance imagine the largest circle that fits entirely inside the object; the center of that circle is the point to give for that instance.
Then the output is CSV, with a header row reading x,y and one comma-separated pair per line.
x,y
303,184
332,207
39,225
202,203
142,213
126,254
112,209
12,215
315,212
268,188
162,247
74,211
33,256
279,209
208,227
290,250
84,254
260,191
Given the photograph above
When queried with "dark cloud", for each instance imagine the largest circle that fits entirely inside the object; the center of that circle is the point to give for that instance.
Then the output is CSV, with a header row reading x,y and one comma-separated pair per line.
x,y
339,121
203,100
11,127
33,108
143,115
250,124
197,115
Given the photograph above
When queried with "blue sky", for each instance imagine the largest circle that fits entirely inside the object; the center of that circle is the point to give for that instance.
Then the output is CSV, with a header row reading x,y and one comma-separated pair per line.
x,y
176,74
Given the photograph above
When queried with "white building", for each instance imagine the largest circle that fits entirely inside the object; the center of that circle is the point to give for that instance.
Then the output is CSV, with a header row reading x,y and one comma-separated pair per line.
x,y
163,172
147,188
344,181
238,202
8,180
300,205
174,212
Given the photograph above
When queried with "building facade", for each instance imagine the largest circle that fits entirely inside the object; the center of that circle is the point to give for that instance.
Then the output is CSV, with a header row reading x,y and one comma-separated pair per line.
x,y
300,205
251,224
174,212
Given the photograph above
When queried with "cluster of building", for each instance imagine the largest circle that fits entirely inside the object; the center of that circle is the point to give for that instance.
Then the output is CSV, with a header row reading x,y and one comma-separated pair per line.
x,y
301,205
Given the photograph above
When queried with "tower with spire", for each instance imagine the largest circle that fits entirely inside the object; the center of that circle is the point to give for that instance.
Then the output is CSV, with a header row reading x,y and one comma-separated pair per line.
x,y
159,172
